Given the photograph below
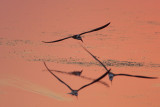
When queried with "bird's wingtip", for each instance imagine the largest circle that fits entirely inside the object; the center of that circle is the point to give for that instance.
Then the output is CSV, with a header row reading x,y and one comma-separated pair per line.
x,y
43,41
155,77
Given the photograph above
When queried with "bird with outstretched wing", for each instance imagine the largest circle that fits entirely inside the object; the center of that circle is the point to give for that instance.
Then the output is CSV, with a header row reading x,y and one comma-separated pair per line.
x,y
78,36
111,75
75,92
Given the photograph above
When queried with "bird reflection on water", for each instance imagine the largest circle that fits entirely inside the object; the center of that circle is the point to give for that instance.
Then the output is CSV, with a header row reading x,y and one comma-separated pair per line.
x,y
84,77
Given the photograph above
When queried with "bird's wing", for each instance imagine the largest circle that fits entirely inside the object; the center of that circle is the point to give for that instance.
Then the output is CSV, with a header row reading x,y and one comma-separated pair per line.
x,y
99,28
98,79
58,40
57,77
138,76
95,58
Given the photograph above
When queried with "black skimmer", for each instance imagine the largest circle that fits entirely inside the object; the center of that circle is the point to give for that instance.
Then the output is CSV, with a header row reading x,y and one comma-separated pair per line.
x,y
111,75
75,92
78,36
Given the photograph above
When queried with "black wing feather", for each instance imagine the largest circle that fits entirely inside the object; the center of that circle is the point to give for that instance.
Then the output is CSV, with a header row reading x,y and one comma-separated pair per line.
x,y
138,76
95,58
99,28
58,40
57,77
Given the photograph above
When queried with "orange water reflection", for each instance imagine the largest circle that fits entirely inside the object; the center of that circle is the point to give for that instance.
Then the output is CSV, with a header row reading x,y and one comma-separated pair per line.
x,y
133,36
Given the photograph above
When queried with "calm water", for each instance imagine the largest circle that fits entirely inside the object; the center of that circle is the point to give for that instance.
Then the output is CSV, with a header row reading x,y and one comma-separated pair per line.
x,y
130,44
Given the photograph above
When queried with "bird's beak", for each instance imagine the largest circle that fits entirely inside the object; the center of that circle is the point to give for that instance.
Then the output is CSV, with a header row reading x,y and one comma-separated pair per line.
x,y
81,40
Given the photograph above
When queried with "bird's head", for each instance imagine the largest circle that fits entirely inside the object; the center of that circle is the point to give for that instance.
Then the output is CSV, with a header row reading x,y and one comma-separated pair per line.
x,y
78,37
111,75
74,93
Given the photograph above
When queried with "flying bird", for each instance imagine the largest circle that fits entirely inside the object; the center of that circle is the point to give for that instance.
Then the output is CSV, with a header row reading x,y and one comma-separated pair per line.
x,y
78,36
111,75
75,92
